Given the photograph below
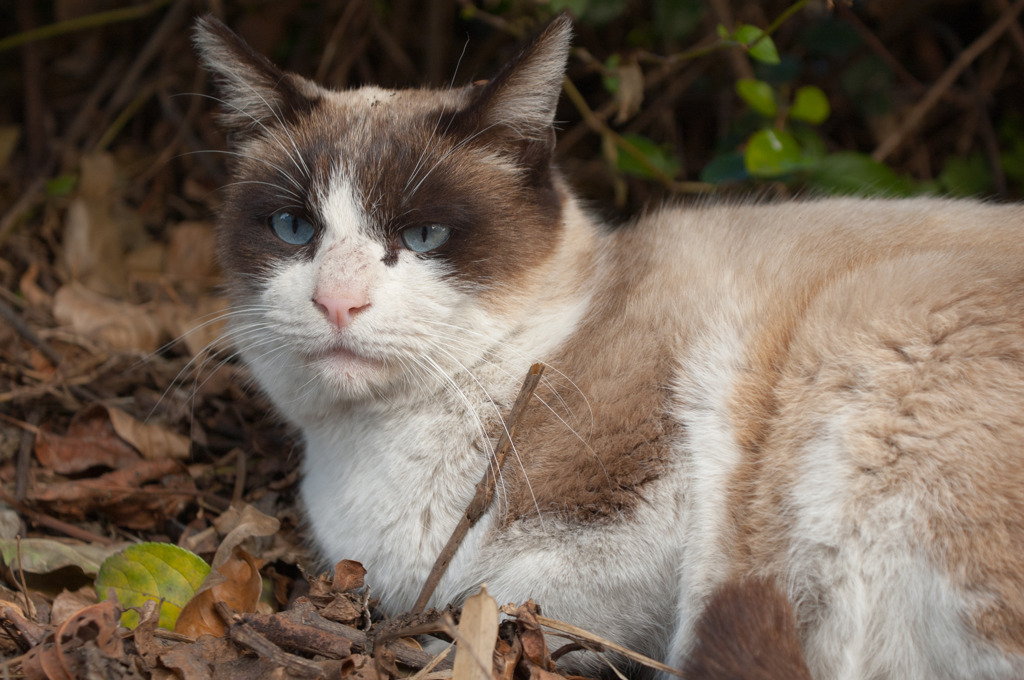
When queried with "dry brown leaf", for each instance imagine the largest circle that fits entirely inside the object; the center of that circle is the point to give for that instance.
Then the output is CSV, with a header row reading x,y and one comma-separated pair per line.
x,y
234,577
93,238
122,495
536,659
506,655
148,645
89,442
192,254
360,667
197,661
342,609
200,326
112,323
348,575
69,603
153,441
478,631
630,94
238,524
239,587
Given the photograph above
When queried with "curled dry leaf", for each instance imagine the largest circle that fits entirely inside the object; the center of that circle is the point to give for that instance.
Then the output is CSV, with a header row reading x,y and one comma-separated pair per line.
x,y
234,577
91,441
334,597
239,587
507,652
238,524
153,441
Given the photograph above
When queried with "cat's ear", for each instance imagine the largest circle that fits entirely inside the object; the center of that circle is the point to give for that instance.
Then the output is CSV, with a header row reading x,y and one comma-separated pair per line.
x,y
254,92
523,96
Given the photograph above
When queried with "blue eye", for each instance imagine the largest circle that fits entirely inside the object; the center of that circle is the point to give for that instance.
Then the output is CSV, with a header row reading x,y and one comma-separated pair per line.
x,y
425,238
291,228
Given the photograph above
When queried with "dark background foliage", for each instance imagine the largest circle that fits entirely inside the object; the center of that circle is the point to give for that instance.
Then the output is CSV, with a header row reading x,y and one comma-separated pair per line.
x,y
126,86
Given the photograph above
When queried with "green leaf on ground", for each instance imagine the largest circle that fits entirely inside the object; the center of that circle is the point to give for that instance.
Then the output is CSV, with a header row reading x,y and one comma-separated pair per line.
x,y
152,571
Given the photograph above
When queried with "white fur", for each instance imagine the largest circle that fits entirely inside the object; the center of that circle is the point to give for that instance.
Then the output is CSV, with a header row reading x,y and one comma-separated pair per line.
x,y
710,454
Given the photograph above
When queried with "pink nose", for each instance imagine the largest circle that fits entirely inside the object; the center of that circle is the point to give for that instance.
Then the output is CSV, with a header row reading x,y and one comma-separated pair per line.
x,y
340,310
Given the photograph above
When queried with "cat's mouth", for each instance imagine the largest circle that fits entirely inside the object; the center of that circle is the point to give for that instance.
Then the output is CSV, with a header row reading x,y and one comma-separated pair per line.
x,y
343,359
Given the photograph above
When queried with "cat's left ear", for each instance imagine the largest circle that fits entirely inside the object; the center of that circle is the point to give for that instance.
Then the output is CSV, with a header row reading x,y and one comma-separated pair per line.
x,y
255,93
523,97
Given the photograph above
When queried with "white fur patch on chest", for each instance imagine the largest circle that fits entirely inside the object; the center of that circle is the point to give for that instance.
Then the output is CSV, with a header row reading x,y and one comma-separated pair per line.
x,y
386,487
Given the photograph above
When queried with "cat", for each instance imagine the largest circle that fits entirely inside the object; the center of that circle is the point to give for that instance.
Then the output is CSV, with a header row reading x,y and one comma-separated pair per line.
x,y
825,394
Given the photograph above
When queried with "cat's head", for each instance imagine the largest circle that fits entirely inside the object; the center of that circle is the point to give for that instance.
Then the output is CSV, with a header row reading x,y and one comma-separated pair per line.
x,y
365,233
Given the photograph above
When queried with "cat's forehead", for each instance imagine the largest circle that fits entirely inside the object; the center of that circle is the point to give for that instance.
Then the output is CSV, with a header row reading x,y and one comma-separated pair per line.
x,y
385,107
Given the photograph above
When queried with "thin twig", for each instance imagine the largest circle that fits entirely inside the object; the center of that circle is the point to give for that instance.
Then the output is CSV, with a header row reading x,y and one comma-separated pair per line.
x,y
484,489
587,636
973,51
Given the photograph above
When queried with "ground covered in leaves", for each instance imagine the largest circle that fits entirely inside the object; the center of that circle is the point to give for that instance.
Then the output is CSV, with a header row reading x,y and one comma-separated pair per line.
x,y
124,418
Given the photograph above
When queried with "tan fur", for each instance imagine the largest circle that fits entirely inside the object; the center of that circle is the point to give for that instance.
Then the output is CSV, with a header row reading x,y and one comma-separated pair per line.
x,y
922,339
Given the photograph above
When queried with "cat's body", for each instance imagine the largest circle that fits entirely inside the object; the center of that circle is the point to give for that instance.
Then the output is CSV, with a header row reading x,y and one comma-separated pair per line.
x,y
829,394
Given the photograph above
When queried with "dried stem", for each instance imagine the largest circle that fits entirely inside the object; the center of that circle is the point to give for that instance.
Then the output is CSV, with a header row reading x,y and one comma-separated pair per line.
x,y
484,489
588,637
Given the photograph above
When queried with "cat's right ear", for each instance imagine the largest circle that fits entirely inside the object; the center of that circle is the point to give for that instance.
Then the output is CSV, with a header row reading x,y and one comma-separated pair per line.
x,y
255,93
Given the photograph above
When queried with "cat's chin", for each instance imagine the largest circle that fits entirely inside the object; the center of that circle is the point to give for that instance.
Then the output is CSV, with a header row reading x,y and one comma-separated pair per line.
x,y
352,371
